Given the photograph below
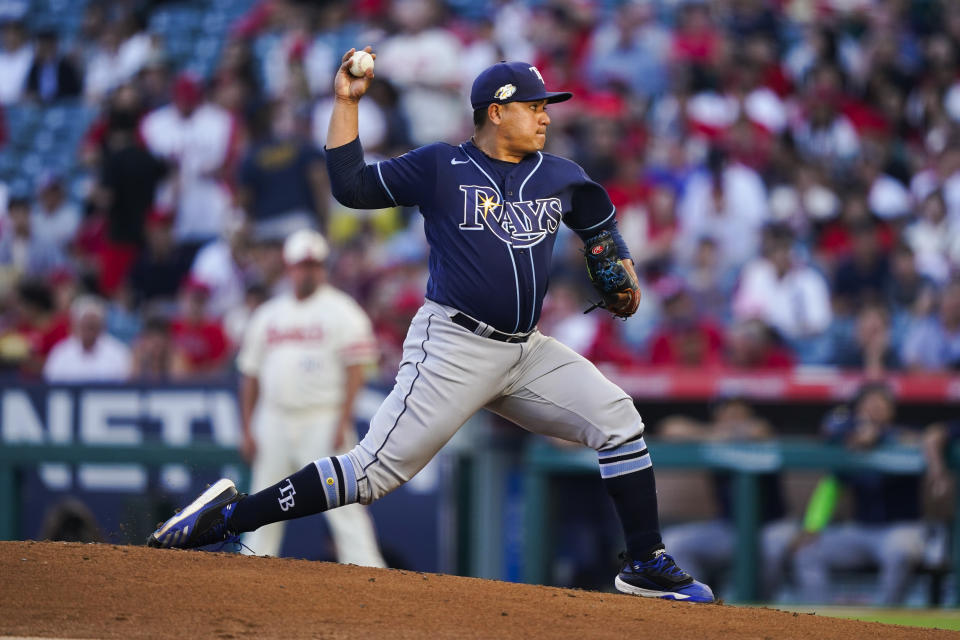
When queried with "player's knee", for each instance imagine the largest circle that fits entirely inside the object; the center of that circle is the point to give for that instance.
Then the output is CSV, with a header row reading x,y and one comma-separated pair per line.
x,y
376,482
376,477
366,497
373,488
616,439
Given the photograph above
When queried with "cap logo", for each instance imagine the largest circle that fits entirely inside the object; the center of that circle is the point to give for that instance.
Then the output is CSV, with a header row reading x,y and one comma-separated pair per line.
x,y
505,92
536,72
597,250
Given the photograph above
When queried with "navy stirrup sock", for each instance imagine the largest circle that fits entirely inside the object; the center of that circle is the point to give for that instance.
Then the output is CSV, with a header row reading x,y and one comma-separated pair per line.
x,y
301,494
635,497
627,472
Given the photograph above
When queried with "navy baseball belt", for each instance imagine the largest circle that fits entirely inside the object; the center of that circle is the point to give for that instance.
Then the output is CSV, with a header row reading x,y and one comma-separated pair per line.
x,y
487,331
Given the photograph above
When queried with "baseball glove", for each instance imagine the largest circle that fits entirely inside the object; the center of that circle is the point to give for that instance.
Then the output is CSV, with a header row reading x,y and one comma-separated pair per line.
x,y
612,277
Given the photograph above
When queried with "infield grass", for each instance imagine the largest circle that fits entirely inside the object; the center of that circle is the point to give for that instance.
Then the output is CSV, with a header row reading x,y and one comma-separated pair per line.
x,y
930,618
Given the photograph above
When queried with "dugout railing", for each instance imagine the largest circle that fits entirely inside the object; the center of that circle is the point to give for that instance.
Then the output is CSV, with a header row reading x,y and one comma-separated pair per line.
x,y
542,463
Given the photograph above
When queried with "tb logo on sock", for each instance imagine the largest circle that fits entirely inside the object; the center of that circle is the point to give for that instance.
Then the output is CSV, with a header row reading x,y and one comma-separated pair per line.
x,y
286,496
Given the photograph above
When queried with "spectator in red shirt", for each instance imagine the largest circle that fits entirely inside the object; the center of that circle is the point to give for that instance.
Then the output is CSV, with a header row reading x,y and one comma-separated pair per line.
x,y
696,40
390,322
684,338
36,328
648,217
835,242
595,335
200,338
753,345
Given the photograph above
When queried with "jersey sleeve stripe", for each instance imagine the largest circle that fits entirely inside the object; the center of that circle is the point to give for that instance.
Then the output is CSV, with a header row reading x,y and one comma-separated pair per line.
x,y
359,357
385,187
359,346
599,223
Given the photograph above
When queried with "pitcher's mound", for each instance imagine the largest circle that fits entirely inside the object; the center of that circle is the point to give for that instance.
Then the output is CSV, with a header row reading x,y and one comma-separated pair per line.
x,y
66,590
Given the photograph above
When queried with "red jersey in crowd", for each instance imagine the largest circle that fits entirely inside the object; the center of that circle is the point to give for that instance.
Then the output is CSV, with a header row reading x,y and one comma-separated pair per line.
x,y
204,343
699,345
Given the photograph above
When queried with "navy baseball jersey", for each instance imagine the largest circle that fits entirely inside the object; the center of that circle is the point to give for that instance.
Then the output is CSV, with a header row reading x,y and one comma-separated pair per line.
x,y
491,225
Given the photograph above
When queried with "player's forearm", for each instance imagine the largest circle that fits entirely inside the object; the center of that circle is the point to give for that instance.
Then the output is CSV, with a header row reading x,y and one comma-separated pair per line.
x,y
344,123
249,394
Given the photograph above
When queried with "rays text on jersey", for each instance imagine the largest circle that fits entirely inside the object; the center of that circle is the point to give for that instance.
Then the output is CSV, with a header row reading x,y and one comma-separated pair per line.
x,y
520,224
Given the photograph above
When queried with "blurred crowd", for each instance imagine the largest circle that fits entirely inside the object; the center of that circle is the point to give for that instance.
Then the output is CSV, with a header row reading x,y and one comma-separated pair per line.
x,y
786,173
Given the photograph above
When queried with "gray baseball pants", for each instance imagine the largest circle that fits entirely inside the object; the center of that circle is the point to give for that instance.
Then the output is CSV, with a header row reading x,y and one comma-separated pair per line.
x,y
448,373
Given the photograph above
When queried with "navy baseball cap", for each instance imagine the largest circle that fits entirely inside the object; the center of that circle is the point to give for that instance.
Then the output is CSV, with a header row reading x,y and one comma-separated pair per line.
x,y
512,82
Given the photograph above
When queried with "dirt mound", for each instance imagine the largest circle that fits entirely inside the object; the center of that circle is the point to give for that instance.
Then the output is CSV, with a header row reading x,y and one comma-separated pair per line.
x,y
104,591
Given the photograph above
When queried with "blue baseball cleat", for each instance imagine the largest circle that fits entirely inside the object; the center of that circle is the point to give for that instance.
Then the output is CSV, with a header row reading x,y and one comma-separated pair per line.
x,y
660,577
203,522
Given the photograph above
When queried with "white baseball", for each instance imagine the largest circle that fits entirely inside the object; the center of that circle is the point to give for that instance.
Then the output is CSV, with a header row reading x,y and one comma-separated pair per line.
x,y
360,63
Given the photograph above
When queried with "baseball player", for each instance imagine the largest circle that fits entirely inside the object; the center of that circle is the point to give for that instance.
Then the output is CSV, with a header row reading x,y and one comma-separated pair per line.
x,y
492,206
303,362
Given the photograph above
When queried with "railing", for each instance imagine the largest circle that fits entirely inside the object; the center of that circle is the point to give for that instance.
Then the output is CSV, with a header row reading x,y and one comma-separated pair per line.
x,y
542,462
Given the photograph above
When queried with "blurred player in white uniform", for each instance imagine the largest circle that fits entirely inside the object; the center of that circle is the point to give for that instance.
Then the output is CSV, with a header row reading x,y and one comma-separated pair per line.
x,y
303,362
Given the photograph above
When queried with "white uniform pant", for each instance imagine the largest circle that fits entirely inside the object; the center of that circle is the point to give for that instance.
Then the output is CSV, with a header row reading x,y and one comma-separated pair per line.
x,y
448,373
286,442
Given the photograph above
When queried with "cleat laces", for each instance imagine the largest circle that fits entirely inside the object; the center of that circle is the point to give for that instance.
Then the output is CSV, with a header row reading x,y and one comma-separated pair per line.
x,y
661,563
665,564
